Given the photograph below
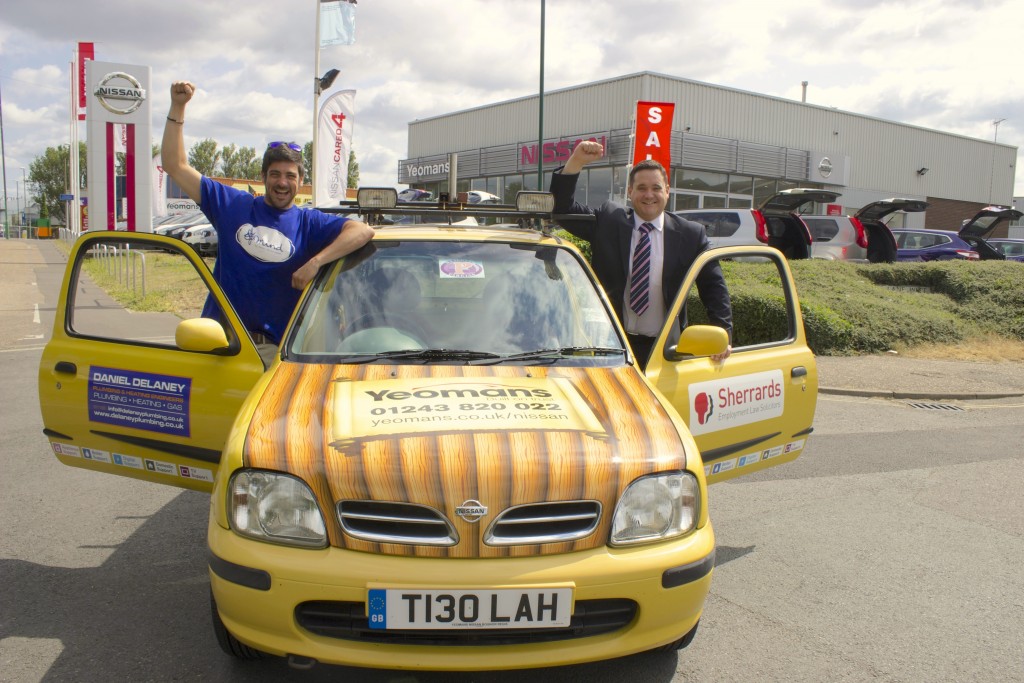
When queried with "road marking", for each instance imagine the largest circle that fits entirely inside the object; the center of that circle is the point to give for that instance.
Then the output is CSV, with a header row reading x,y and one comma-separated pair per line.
x,y
35,314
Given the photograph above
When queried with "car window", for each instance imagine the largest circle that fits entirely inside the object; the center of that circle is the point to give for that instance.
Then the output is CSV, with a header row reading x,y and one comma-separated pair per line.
x,y
751,282
822,229
117,273
490,297
716,224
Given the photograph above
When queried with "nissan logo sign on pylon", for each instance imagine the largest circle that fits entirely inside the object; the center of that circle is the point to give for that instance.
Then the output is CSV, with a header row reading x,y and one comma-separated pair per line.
x,y
135,95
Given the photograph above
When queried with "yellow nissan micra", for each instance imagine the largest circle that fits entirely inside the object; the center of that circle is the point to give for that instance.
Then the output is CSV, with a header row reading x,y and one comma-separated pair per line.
x,y
454,461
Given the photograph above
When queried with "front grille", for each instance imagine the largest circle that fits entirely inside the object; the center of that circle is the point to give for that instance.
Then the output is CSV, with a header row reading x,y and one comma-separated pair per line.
x,y
544,523
348,621
384,522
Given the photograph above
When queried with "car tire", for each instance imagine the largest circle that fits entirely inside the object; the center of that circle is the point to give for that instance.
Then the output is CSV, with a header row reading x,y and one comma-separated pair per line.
x,y
679,644
228,643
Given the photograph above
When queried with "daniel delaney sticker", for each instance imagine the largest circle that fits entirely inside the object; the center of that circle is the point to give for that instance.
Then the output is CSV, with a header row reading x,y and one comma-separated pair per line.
x,y
726,403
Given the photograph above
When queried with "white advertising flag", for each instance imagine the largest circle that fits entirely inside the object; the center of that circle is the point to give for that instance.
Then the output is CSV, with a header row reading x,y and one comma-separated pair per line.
x,y
159,187
334,143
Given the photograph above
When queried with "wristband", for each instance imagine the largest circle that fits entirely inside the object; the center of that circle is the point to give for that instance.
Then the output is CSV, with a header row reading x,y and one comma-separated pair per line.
x,y
180,123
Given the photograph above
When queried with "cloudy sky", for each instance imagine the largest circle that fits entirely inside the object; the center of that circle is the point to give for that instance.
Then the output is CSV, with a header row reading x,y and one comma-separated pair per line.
x,y
951,65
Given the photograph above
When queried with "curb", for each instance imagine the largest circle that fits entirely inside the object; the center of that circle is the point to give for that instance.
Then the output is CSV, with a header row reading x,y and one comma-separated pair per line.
x,y
932,395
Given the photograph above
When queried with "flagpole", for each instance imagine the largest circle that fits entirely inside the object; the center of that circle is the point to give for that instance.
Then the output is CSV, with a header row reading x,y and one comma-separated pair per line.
x,y
316,101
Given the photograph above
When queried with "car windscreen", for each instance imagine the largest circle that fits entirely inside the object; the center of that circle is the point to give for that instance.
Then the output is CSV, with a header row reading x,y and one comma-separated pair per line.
x,y
457,301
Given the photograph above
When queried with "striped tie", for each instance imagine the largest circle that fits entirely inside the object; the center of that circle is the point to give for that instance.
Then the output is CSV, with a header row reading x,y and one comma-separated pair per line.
x,y
639,279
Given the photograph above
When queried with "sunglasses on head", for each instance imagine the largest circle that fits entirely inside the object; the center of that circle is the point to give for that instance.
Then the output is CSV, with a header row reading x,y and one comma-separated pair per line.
x,y
279,143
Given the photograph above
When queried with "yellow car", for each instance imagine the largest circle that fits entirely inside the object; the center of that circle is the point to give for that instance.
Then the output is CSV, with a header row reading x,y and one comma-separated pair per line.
x,y
453,463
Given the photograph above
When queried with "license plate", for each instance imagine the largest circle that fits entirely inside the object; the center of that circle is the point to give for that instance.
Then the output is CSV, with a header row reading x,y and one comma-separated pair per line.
x,y
508,608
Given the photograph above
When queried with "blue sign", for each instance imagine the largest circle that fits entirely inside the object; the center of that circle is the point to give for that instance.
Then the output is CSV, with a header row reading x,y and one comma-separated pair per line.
x,y
67,197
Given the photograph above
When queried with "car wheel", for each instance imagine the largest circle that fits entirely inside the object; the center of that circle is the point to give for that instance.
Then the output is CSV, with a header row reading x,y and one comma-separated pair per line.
x,y
679,644
231,645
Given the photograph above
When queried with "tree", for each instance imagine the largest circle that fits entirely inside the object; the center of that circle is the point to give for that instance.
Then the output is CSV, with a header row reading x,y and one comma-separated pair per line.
x,y
237,162
49,176
204,156
353,170
307,162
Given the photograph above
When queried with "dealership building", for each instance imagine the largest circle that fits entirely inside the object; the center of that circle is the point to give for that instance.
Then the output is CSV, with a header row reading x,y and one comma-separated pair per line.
x,y
729,148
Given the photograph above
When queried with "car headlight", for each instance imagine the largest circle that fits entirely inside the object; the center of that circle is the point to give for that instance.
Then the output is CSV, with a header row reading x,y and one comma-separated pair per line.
x,y
277,508
655,508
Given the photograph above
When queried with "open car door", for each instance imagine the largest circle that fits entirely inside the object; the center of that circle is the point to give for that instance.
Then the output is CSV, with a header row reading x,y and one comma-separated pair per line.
x,y
138,394
755,409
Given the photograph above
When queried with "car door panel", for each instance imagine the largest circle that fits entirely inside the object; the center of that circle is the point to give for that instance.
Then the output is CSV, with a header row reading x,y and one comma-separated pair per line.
x,y
755,409
116,393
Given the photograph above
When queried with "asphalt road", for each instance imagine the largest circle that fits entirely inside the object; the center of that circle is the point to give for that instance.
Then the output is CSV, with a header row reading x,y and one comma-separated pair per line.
x,y
890,551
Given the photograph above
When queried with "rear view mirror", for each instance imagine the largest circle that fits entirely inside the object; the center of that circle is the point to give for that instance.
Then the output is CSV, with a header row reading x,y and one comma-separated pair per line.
x,y
200,334
701,340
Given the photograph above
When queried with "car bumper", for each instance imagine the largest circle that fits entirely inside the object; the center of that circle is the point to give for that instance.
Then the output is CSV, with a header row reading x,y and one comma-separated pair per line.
x,y
257,587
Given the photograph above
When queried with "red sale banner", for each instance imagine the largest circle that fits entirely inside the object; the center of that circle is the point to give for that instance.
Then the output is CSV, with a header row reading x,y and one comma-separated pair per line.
x,y
86,52
653,132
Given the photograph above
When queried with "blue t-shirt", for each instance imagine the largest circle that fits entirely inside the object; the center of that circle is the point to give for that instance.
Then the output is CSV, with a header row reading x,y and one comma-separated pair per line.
x,y
258,249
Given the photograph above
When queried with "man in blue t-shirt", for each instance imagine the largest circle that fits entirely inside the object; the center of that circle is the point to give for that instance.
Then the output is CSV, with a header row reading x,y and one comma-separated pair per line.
x,y
268,248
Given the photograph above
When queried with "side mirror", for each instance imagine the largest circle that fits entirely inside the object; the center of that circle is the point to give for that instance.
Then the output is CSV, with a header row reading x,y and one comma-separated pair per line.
x,y
200,334
700,340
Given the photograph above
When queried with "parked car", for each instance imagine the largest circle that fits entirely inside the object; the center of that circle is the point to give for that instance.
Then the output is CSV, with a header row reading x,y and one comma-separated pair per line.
x,y
1010,247
975,230
863,236
413,195
177,227
932,245
454,461
202,237
775,222
968,243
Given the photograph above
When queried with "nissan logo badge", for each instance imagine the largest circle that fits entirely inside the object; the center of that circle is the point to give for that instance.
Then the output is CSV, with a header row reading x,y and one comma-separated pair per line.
x,y
471,510
108,92
825,167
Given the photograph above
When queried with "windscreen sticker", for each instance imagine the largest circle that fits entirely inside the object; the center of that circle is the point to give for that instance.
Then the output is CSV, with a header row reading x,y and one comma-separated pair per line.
x,y
380,409
143,400
735,401
455,269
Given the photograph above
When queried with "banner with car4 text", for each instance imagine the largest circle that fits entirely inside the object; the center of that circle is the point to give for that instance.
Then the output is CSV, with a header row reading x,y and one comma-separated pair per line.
x,y
653,133
334,143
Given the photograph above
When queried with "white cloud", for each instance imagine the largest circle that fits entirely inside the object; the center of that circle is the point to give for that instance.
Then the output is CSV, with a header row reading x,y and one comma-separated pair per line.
x,y
944,64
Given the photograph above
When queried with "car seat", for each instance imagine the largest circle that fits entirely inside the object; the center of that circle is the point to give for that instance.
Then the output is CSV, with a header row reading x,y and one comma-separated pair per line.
x,y
395,296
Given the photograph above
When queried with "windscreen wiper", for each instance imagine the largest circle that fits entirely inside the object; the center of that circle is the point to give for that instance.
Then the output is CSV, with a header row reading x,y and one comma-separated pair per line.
x,y
424,355
551,355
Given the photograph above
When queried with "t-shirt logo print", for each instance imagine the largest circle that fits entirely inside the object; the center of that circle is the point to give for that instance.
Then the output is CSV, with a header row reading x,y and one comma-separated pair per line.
x,y
264,244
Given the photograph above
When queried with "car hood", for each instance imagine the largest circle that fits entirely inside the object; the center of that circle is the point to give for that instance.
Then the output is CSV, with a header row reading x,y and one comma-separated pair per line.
x,y
441,437
876,211
986,220
788,201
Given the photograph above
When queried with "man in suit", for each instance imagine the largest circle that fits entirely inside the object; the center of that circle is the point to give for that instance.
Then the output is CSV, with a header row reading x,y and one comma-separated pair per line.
x,y
660,247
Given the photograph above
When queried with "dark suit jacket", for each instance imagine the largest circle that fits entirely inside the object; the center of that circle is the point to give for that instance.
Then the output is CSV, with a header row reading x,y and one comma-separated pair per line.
x,y
609,236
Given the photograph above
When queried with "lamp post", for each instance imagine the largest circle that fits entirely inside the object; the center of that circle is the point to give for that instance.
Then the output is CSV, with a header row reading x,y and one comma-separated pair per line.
x,y
995,136
540,107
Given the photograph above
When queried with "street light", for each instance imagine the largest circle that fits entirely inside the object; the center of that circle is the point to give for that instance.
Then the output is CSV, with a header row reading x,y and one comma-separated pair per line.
x,y
995,136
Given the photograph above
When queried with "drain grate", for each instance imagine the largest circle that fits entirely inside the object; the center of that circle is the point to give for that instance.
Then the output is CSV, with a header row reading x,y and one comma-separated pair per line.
x,y
935,406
